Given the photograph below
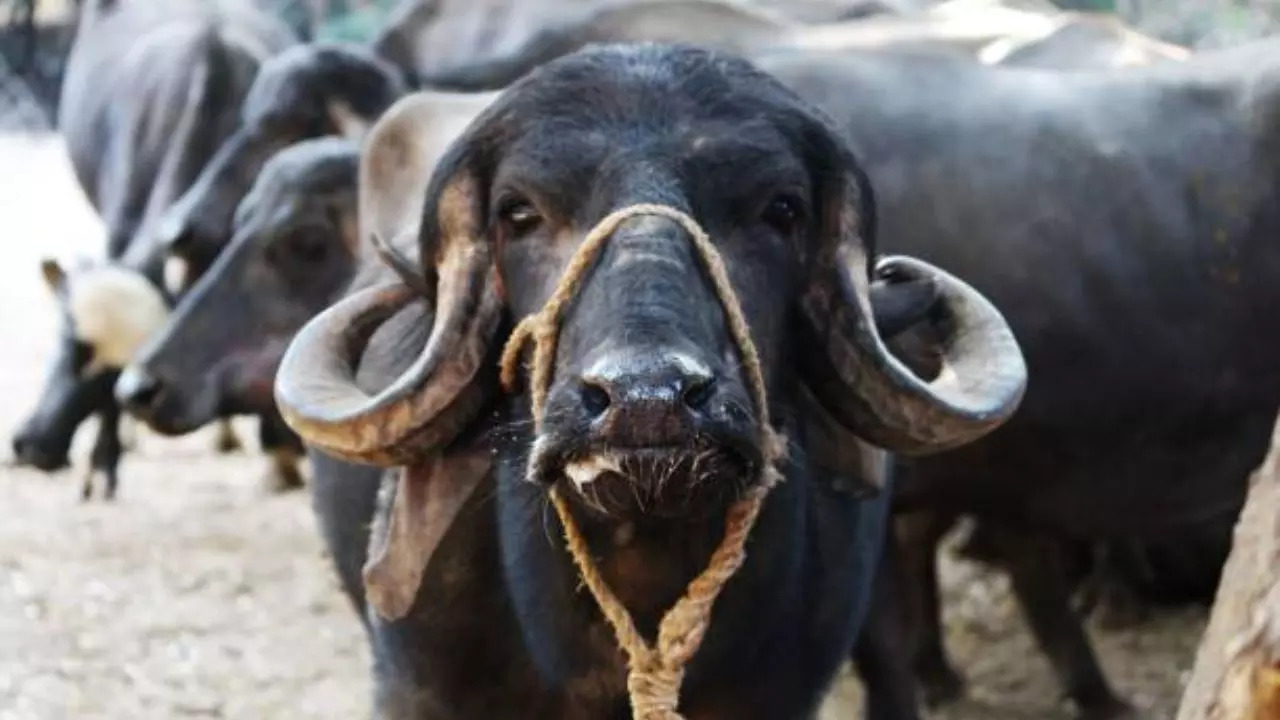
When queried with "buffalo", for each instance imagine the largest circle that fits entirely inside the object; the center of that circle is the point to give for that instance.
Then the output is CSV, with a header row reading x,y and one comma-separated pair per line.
x,y
293,250
307,91
428,37
653,403
150,89
304,92
1117,218
1062,42
990,32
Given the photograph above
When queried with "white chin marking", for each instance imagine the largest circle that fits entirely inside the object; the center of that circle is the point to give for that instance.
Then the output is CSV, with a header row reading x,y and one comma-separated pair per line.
x,y
584,472
175,274
114,311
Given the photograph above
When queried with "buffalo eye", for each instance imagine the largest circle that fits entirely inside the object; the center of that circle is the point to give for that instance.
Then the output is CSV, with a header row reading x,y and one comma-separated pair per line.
x,y
308,247
518,216
783,213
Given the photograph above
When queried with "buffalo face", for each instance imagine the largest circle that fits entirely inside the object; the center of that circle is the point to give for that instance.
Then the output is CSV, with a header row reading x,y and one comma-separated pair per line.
x,y
291,253
305,92
649,409
107,314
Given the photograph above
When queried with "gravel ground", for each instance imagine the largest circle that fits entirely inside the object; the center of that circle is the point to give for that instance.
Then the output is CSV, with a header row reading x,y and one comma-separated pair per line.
x,y
197,594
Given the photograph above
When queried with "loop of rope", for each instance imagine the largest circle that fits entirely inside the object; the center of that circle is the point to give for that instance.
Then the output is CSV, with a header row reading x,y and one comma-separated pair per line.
x,y
655,672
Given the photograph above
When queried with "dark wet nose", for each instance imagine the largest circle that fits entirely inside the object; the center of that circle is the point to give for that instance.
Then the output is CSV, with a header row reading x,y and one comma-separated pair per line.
x,y
138,392
647,399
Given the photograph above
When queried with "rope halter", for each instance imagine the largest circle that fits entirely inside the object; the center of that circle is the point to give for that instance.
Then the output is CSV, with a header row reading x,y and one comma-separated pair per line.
x,y
655,672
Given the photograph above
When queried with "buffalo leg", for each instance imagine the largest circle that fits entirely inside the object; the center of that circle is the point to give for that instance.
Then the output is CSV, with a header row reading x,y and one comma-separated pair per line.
x,y
226,441
105,459
285,451
1108,592
919,535
883,652
1039,580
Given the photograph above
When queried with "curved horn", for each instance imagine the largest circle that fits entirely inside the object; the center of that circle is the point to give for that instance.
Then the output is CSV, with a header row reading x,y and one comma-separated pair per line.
x,y
410,189
429,403
983,374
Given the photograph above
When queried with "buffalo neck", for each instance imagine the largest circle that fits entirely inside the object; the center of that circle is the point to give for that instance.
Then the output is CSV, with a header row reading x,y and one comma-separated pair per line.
x,y
648,564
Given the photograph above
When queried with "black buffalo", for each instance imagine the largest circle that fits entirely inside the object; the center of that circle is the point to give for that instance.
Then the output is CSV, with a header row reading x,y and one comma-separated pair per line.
x,y
432,38
307,91
293,250
991,33
1123,221
646,385
304,92
150,89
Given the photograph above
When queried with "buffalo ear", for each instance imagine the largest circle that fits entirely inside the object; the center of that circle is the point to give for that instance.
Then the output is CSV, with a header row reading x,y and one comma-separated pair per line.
x,y
349,229
850,464
346,120
428,495
898,305
399,158
54,276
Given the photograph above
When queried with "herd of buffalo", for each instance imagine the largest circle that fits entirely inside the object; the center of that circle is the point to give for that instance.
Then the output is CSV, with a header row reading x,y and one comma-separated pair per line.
x,y
1002,266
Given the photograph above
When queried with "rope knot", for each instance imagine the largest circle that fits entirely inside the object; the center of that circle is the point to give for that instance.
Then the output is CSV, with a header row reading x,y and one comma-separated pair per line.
x,y
654,690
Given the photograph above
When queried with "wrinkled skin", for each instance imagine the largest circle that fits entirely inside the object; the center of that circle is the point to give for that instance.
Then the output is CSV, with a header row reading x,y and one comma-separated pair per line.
x,y
293,250
306,92
150,89
1104,271
644,373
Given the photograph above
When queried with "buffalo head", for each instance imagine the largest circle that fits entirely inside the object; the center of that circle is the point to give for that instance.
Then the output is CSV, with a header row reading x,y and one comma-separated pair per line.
x,y
304,92
108,312
648,409
292,252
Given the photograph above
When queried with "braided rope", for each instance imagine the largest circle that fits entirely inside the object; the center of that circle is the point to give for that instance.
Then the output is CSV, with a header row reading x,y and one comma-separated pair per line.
x,y
655,672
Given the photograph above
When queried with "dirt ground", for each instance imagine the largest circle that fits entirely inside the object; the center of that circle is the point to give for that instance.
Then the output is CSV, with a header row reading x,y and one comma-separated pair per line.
x,y
196,594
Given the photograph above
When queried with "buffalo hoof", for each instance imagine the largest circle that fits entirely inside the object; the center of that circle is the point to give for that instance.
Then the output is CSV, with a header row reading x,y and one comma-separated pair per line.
x,y
941,685
109,483
283,474
227,441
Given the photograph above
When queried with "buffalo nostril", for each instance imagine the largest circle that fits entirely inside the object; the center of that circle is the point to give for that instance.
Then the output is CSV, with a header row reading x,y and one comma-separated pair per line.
x,y
138,390
595,399
699,392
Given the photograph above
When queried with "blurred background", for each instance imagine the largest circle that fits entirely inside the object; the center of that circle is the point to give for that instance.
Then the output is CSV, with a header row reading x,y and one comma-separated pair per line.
x,y
35,35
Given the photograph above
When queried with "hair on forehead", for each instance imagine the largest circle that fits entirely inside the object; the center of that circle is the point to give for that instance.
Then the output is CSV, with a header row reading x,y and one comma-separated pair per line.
x,y
320,168
114,310
305,73
316,165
